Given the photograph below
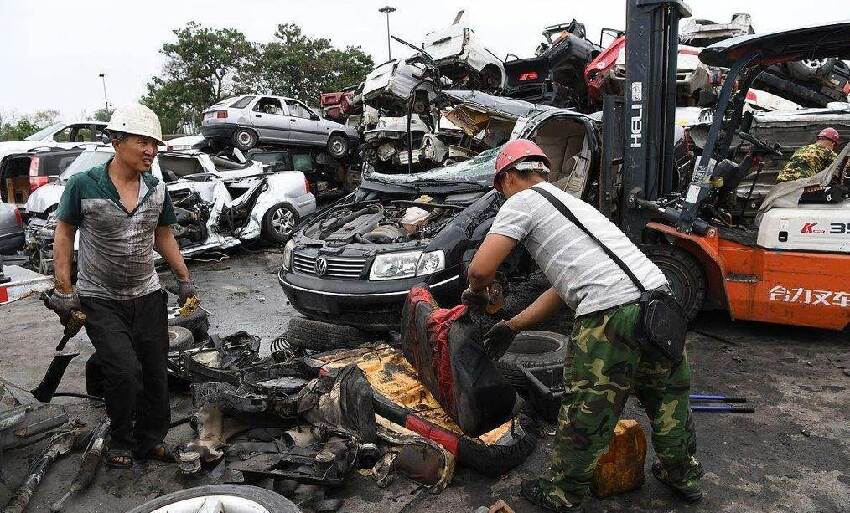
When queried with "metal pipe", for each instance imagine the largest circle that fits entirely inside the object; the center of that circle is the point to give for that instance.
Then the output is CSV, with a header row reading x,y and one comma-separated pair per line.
x,y
387,10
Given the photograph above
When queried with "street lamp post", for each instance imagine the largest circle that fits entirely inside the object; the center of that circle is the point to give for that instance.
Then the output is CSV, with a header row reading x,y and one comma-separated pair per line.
x,y
105,101
387,10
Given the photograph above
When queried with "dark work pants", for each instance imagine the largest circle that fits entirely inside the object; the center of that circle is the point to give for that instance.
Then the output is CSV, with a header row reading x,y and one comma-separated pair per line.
x,y
131,350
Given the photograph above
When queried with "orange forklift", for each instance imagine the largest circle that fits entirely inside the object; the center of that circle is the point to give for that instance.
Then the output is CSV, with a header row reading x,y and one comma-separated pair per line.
x,y
789,265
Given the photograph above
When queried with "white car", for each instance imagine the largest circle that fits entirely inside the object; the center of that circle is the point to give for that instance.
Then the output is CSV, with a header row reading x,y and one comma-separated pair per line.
x,y
459,55
218,203
58,135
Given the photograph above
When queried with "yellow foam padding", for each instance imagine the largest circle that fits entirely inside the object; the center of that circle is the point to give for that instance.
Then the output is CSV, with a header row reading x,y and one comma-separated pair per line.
x,y
393,377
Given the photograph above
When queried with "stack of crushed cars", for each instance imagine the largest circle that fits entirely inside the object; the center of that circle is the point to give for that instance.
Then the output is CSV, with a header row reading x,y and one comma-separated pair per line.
x,y
403,108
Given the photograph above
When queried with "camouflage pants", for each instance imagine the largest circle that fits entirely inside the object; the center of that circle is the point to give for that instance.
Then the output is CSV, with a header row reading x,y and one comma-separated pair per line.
x,y
604,366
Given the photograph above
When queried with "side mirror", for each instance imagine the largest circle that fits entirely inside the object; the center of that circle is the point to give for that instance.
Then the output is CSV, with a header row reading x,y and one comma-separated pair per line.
x,y
105,139
314,116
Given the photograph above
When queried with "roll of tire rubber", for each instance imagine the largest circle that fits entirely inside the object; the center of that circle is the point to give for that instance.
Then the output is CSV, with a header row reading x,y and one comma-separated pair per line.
x,y
324,336
542,351
228,497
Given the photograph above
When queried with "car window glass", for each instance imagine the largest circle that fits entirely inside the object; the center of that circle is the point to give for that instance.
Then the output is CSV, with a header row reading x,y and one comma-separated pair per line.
x,y
297,109
242,102
64,135
81,134
268,105
477,169
44,132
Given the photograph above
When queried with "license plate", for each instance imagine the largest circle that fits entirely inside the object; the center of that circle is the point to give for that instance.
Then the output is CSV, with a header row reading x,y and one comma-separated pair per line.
x,y
315,302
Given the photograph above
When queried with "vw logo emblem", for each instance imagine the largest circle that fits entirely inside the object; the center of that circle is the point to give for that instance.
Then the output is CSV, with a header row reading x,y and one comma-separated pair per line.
x,y
321,266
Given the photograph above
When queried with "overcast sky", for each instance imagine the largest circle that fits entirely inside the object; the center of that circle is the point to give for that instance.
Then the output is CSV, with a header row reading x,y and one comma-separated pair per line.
x,y
52,51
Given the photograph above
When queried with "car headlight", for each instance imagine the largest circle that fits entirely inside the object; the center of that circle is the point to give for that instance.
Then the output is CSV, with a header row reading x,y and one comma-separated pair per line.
x,y
395,266
287,254
431,262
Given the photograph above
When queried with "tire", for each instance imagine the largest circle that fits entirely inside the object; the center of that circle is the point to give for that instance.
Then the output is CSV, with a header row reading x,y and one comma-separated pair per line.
x,y
684,273
278,223
232,499
338,146
533,350
179,339
497,459
811,69
244,138
198,322
324,336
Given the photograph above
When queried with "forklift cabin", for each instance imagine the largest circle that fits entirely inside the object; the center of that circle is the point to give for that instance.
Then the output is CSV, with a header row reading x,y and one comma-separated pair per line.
x,y
792,265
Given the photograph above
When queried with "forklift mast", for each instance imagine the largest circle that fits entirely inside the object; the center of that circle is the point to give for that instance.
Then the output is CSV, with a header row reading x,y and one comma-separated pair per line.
x,y
642,123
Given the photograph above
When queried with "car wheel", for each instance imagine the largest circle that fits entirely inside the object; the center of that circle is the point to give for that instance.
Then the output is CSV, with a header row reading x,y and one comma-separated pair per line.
x,y
244,138
811,69
278,223
338,146
220,498
534,350
324,336
684,274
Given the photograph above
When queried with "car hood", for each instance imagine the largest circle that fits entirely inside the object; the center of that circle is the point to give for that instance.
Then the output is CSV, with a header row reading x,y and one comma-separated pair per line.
x,y
815,42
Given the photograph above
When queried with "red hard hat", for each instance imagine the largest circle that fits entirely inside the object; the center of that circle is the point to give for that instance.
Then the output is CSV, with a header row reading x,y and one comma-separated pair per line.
x,y
830,134
517,150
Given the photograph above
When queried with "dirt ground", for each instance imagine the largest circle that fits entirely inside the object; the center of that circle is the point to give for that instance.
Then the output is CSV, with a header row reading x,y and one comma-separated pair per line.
x,y
792,455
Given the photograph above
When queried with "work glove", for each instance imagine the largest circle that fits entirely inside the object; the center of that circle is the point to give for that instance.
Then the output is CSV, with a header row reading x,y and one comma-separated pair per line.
x,y
185,290
475,300
63,304
498,340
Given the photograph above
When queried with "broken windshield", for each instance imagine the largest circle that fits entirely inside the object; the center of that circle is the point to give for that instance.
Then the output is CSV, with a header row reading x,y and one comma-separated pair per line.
x,y
478,170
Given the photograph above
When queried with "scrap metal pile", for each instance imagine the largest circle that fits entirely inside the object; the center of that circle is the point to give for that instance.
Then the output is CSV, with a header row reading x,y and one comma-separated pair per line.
x,y
415,114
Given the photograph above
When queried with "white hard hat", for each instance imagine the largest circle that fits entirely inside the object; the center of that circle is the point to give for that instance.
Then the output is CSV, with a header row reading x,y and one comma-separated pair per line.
x,y
136,119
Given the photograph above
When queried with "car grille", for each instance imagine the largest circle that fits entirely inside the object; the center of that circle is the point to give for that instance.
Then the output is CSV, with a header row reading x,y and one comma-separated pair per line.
x,y
338,267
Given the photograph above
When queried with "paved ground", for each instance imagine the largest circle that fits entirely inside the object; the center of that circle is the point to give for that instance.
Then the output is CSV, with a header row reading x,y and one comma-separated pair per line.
x,y
792,455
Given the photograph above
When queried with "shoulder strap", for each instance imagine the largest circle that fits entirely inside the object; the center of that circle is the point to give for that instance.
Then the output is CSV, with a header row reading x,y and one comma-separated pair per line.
x,y
559,205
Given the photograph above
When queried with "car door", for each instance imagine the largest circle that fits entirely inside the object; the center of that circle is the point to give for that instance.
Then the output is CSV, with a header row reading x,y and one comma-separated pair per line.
x,y
270,119
304,128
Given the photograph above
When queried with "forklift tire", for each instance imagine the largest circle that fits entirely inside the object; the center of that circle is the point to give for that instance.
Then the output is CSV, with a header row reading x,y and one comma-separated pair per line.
x,y
324,336
683,272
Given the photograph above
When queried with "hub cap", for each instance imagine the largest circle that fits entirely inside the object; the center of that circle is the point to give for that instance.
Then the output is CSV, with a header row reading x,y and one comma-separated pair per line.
x,y
214,504
337,147
245,138
282,221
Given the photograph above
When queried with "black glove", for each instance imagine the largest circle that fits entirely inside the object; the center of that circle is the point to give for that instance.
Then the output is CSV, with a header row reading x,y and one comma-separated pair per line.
x,y
475,300
62,304
185,291
499,339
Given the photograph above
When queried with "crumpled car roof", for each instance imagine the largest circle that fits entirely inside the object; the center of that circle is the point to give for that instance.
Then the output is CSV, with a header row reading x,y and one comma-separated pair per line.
x,y
813,42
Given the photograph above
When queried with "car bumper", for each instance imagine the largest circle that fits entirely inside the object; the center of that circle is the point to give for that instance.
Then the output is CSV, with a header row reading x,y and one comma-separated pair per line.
x,y
218,131
373,305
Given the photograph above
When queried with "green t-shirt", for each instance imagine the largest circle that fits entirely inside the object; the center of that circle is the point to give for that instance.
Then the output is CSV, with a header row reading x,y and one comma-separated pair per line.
x,y
116,248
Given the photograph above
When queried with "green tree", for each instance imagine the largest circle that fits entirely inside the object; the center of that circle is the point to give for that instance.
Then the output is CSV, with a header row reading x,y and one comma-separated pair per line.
x,y
18,128
201,68
302,67
103,114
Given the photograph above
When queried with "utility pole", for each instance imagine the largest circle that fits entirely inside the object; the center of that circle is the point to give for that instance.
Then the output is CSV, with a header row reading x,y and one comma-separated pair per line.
x,y
105,101
387,10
